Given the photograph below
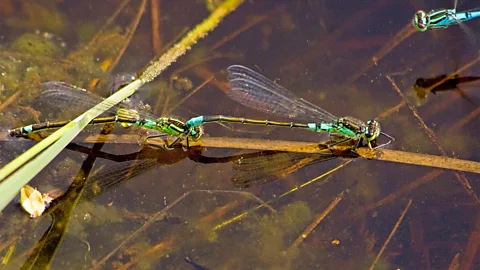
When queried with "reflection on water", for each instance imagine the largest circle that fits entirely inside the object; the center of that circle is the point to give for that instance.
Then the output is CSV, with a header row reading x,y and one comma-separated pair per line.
x,y
442,83
148,207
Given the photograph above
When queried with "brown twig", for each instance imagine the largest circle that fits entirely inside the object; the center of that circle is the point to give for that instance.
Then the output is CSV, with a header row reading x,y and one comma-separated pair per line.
x,y
246,26
155,13
234,143
10,100
422,124
391,235
462,180
442,162
192,37
104,26
390,111
440,106
162,213
393,196
182,69
189,95
403,34
453,74
200,62
317,221
472,115
204,72
244,214
379,154
323,43
133,28
471,250
455,264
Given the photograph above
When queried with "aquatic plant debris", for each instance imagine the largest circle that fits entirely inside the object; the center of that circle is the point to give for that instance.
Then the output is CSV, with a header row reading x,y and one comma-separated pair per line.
x,y
34,202
21,170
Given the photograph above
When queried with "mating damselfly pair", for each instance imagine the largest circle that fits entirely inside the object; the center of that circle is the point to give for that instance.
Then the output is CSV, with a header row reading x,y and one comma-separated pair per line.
x,y
246,87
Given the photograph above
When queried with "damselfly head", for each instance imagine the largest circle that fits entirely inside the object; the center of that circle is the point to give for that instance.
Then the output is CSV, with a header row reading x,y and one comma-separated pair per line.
x,y
196,132
421,20
372,131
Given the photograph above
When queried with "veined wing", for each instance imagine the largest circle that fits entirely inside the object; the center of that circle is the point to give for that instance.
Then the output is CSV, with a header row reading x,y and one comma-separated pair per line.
x,y
258,92
258,170
71,98
114,176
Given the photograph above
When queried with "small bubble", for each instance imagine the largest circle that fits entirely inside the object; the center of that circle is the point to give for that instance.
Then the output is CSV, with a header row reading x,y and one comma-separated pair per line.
x,y
87,217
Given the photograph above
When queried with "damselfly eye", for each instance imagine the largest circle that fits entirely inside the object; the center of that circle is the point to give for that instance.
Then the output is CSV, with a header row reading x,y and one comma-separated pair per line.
x,y
373,130
196,133
420,20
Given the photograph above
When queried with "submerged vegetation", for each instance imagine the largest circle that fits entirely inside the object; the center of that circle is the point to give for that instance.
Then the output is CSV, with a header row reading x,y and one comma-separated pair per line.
x,y
122,200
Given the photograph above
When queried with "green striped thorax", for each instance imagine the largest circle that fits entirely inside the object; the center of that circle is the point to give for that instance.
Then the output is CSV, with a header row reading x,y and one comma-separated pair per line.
x,y
435,19
355,128
176,127
167,125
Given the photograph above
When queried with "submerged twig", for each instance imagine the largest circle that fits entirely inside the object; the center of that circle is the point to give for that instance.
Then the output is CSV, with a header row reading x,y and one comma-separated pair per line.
x,y
317,221
189,95
453,74
462,180
391,234
467,259
250,23
162,213
442,162
61,211
131,32
158,216
401,35
155,13
102,29
128,38
10,100
200,31
421,159
406,188
472,115
378,154
455,262
244,214
22,169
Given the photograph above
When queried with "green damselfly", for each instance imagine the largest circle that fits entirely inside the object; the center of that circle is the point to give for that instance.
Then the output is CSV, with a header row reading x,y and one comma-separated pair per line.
x,y
442,18
256,91
71,98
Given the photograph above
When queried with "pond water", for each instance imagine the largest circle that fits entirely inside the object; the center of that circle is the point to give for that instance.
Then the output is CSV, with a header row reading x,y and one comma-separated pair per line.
x,y
147,207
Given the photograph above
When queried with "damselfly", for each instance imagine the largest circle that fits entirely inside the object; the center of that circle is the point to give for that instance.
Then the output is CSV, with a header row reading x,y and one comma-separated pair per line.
x,y
256,91
442,18
71,98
